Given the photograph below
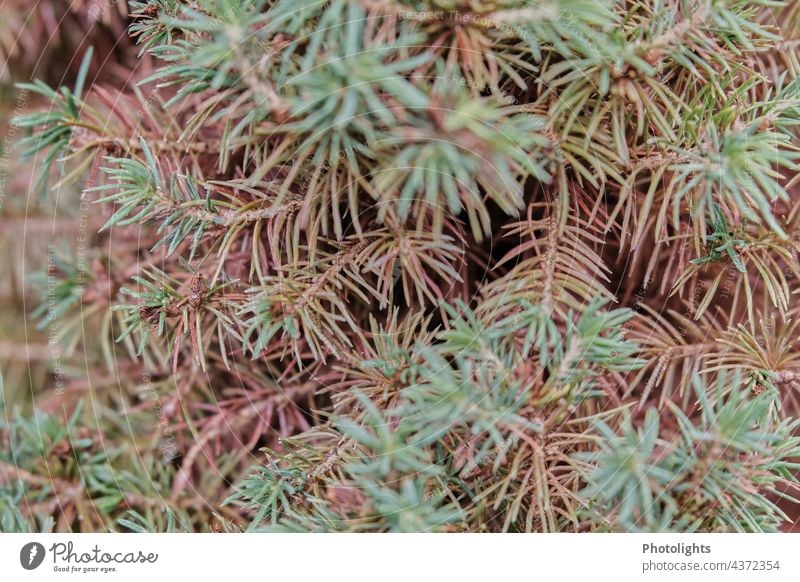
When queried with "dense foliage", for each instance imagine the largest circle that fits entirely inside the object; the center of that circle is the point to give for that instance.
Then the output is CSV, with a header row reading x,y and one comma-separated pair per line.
x,y
388,265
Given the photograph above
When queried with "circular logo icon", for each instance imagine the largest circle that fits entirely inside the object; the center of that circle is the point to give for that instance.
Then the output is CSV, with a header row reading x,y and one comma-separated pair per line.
x,y
31,555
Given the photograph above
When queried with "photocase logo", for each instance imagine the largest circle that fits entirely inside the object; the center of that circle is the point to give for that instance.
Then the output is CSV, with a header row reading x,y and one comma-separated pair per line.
x,y
31,555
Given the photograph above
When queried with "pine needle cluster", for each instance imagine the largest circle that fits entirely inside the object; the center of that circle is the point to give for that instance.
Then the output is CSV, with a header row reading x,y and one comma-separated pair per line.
x,y
435,265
